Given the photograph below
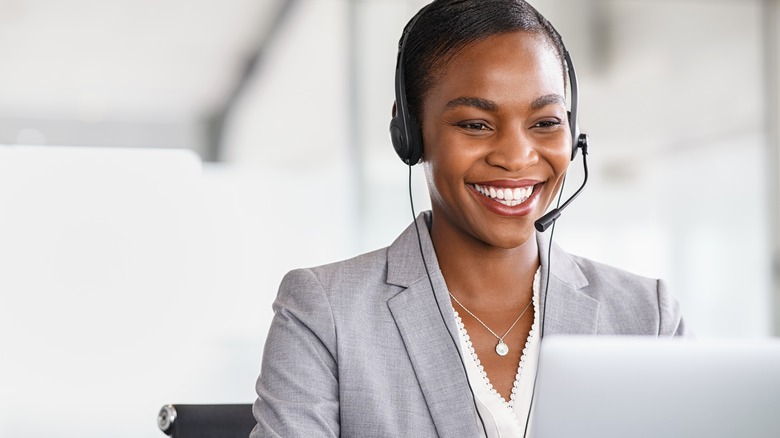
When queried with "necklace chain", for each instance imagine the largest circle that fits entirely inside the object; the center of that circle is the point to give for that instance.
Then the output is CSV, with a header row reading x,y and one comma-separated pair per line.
x,y
501,348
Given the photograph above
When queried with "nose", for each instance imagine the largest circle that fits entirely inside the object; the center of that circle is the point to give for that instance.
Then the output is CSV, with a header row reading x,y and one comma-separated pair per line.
x,y
513,150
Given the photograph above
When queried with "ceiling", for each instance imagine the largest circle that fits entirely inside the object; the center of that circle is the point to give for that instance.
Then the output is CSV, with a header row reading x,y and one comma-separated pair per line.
x,y
97,60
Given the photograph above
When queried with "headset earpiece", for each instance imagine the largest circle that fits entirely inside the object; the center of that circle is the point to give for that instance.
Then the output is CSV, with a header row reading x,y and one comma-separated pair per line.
x,y
582,143
406,137
405,132
573,128
578,141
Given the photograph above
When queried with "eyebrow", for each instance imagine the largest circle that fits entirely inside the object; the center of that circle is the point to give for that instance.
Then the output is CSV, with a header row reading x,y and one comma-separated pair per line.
x,y
476,102
489,105
547,99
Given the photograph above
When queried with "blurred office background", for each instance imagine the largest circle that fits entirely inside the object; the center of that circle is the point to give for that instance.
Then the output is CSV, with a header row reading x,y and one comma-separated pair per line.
x,y
163,163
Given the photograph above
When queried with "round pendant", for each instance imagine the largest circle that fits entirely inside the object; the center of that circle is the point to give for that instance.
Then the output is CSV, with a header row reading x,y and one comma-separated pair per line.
x,y
501,348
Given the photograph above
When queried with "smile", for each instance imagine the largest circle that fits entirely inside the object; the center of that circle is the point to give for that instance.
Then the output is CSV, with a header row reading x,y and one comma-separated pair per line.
x,y
504,195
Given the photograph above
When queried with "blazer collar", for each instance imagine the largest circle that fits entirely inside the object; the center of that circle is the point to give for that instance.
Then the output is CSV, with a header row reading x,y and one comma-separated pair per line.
x,y
404,264
569,309
430,337
432,344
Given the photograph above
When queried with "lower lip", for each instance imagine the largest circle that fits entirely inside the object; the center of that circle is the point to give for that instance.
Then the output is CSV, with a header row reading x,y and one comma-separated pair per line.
x,y
504,210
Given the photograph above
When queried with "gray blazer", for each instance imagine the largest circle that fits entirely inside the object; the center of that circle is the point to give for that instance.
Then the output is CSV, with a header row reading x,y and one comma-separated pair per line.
x,y
359,349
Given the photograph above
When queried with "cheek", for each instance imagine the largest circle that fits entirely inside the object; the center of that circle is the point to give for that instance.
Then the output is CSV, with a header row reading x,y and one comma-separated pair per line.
x,y
438,157
559,157
561,167
559,160
439,185
438,173
445,169
562,162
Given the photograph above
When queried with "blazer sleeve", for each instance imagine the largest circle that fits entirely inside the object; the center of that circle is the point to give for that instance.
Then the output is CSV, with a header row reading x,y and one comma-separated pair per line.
x,y
298,385
671,322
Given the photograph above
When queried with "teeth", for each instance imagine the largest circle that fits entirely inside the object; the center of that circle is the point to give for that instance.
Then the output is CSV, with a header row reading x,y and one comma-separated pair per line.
x,y
506,196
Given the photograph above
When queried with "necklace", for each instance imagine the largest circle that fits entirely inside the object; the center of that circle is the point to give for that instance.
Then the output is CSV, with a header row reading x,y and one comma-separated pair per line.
x,y
501,348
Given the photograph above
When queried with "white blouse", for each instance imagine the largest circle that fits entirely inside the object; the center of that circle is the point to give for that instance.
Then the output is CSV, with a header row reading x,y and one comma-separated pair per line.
x,y
504,418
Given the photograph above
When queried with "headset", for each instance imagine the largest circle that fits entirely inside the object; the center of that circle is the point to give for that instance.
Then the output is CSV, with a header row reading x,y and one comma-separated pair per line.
x,y
406,136
405,132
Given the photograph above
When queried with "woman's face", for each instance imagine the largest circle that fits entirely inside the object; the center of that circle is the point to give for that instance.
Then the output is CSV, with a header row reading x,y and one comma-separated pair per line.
x,y
496,138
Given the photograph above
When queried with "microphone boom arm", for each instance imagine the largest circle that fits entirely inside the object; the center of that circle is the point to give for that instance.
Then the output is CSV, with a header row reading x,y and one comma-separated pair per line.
x,y
548,219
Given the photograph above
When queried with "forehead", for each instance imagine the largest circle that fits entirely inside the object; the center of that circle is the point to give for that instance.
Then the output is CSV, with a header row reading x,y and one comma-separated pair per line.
x,y
509,64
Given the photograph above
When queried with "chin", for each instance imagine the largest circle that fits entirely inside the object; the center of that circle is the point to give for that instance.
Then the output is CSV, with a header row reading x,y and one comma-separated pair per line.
x,y
512,239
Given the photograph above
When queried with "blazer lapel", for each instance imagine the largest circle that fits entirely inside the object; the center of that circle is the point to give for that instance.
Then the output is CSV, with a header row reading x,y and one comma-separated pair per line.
x,y
569,310
430,337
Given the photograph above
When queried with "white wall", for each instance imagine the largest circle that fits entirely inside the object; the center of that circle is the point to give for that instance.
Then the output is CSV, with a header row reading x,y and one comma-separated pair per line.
x,y
133,278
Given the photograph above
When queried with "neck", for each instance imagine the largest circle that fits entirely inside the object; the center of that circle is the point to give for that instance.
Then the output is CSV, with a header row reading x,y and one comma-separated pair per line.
x,y
484,276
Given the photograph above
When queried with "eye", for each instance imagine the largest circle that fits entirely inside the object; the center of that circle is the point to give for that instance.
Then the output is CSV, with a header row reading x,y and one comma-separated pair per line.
x,y
473,126
548,124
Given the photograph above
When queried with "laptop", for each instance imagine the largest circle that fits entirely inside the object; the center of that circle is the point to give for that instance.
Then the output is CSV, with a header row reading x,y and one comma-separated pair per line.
x,y
641,387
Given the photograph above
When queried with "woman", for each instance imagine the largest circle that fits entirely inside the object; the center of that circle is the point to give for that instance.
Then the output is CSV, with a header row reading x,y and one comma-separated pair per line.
x,y
438,334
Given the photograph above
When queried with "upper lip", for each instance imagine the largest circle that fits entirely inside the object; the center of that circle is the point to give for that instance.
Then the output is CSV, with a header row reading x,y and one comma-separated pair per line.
x,y
507,183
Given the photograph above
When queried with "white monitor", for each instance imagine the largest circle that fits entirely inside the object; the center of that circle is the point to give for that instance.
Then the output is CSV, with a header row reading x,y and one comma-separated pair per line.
x,y
646,387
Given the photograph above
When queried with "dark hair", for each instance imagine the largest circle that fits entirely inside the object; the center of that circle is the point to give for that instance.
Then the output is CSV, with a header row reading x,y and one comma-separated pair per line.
x,y
446,26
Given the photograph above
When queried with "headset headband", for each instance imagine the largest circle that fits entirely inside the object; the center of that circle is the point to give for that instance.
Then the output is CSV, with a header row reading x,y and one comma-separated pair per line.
x,y
405,132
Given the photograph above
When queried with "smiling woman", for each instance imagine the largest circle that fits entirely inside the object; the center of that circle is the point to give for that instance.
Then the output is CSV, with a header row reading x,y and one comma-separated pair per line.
x,y
438,334
500,122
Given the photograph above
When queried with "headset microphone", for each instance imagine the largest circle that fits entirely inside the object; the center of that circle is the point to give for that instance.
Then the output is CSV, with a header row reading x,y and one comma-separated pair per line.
x,y
578,141
548,219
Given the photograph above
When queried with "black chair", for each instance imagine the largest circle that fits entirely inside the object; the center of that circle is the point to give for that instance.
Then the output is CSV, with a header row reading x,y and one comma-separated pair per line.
x,y
206,421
